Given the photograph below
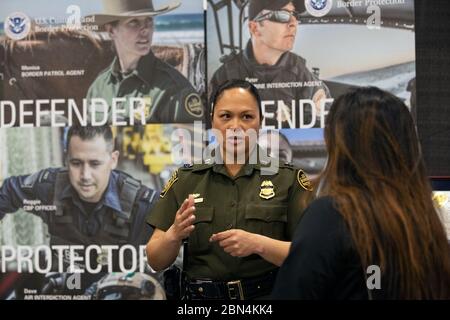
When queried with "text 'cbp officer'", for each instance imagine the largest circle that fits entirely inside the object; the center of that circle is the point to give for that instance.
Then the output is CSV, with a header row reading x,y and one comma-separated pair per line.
x,y
239,221
168,97
87,203
268,60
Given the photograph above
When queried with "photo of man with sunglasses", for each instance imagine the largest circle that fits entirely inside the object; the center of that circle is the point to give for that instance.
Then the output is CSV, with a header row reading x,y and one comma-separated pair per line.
x,y
267,61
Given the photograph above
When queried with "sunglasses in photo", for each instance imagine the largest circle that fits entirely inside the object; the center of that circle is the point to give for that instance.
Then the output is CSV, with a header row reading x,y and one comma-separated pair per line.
x,y
280,16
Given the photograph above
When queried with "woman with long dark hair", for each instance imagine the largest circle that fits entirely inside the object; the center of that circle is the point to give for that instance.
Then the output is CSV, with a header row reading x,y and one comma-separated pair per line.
x,y
374,212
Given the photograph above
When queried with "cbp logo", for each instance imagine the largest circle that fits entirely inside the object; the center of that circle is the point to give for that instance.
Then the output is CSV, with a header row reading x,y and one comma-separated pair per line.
x,y
318,8
17,26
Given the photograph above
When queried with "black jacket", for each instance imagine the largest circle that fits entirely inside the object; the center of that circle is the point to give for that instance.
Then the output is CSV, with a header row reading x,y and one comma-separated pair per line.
x,y
288,80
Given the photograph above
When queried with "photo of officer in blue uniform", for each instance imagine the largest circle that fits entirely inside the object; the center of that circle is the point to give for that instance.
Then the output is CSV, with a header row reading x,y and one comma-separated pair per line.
x,y
87,203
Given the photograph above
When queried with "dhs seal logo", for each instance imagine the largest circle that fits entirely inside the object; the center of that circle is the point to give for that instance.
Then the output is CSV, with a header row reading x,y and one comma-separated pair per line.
x,y
318,8
17,26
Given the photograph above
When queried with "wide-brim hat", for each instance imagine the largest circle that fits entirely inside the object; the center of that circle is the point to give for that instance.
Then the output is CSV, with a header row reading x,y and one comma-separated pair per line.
x,y
114,10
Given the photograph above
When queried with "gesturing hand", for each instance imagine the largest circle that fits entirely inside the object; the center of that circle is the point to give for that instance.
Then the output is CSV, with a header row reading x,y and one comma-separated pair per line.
x,y
184,219
236,242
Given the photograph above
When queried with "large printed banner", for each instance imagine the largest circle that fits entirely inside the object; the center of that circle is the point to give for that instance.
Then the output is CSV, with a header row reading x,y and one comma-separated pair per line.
x,y
301,60
143,70
69,62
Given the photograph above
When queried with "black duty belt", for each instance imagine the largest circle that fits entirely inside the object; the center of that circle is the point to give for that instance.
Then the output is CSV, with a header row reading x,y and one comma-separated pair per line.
x,y
244,289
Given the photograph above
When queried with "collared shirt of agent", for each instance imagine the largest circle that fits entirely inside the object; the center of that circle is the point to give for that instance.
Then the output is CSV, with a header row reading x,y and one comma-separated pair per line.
x,y
100,207
268,63
146,86
238,221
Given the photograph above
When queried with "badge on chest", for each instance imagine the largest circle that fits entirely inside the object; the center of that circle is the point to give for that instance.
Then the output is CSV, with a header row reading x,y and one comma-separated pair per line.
x,y
267,190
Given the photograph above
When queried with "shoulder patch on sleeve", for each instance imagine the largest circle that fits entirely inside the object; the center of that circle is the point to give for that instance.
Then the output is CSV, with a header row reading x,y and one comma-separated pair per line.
x,y
193,105
303,180
44,176
169,183
31,180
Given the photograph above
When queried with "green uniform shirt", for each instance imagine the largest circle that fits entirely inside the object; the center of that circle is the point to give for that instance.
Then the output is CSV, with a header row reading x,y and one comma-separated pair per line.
x,y
262,204
167,96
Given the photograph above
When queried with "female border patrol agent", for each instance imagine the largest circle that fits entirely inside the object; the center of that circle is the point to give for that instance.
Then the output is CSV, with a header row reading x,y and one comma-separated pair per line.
x,y
239,221
166,96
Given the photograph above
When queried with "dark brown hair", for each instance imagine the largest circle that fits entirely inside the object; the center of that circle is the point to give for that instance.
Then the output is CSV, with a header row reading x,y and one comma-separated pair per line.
x,y
90,133
233,84
376,175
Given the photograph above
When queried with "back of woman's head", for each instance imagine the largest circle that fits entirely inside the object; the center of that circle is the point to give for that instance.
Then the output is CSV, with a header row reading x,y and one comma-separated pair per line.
x,y
375,173
370,134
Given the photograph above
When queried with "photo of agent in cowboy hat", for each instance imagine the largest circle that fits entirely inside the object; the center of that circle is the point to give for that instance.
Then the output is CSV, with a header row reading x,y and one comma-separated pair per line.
x,y
166,95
